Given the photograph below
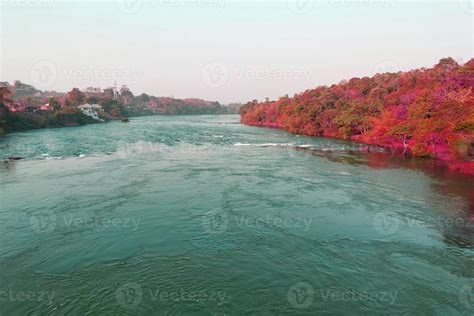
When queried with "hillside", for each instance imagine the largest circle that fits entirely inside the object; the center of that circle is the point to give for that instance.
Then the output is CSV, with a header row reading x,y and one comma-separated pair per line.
x,y
23,107
423,112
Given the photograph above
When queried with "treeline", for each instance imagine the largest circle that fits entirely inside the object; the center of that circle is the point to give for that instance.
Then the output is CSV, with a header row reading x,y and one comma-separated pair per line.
x,y
57,115
129,104
423,112
15,121
117,104
149,105
124,103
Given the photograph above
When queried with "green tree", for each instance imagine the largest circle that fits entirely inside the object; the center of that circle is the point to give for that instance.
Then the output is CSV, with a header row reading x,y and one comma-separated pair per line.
x,y
55,104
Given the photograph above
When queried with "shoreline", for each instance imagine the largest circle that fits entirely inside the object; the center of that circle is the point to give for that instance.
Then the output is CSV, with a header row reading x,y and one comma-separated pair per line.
x,y
109,121
465,168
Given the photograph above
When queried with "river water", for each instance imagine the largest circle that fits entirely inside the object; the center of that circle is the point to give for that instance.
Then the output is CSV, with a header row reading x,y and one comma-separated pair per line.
x,y
201,215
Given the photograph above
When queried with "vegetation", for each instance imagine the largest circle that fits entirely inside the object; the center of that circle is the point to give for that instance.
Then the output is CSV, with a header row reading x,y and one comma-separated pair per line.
x,y
424,112
62,109
14,121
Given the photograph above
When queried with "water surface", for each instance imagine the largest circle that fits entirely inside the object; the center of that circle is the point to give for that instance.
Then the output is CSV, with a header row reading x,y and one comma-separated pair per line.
x,y
201,215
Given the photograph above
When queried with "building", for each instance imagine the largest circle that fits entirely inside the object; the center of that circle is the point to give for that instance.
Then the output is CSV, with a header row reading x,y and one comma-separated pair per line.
x,y
90,110
96,90
46,107
31,109
22,106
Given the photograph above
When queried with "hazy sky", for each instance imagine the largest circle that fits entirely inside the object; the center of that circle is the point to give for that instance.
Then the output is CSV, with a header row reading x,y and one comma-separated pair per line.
x,y
223,50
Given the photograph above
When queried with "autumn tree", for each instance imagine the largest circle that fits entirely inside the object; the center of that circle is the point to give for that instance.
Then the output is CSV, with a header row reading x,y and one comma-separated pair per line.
x,y
75,97
428,112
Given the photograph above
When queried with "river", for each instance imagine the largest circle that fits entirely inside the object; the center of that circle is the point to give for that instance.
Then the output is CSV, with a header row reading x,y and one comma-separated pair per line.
x,y
179,215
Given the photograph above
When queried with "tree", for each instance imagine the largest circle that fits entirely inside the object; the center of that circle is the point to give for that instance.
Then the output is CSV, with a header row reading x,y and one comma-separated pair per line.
x,y
55,104
5,95
76,97
404,132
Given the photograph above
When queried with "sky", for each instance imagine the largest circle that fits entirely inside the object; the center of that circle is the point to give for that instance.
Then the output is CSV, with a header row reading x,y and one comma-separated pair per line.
x,y
224,50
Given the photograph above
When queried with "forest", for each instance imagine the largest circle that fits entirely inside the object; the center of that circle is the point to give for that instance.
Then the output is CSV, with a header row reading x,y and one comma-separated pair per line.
x,y
427,112
57,109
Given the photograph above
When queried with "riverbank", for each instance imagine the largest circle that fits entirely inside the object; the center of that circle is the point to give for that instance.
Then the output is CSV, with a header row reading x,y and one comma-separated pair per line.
x,y
463,167
426,113
25,122
23,107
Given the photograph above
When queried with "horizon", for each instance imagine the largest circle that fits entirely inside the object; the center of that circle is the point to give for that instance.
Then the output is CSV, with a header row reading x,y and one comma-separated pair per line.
x,y
245,51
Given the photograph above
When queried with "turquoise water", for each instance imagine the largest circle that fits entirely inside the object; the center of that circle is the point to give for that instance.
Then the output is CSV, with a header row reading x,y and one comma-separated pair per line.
x,y
204,216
